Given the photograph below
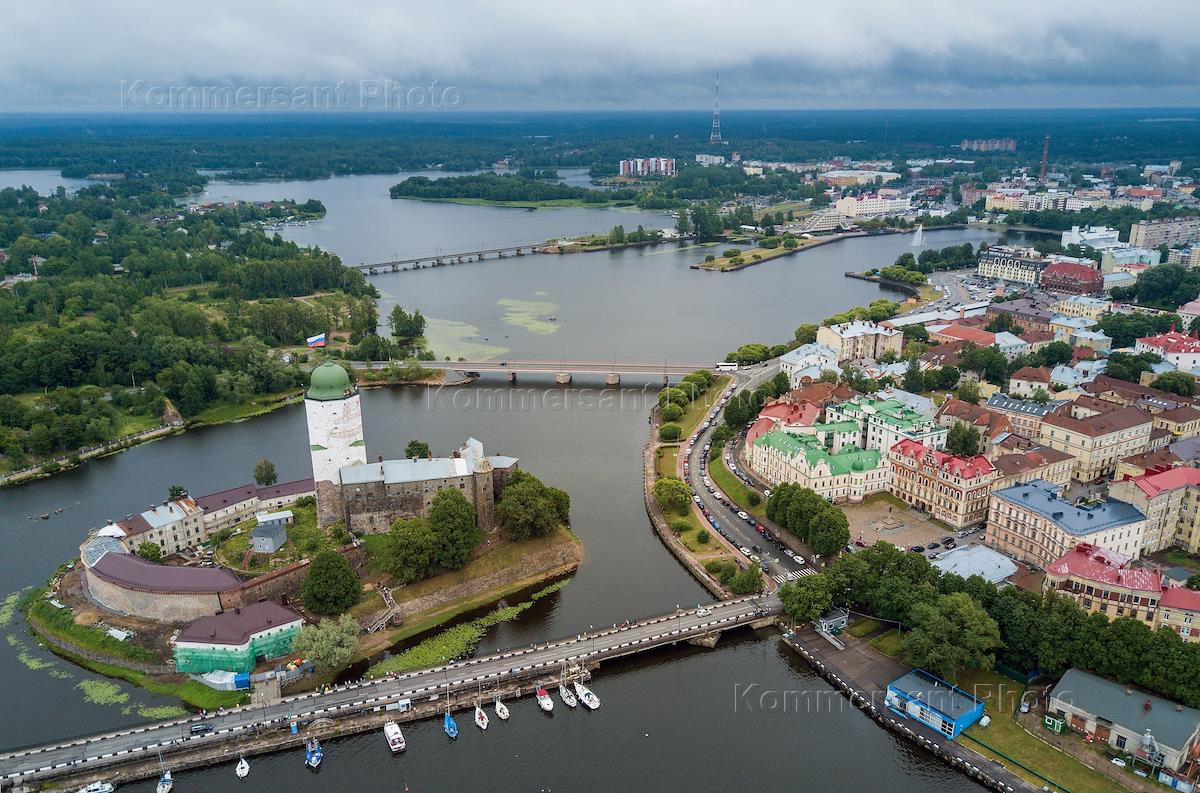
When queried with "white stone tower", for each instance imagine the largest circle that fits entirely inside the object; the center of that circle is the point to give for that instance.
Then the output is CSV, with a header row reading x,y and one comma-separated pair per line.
x,y
335,435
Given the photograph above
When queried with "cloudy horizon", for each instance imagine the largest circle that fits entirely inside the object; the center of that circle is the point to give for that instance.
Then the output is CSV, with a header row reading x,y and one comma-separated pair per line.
x,y
613,56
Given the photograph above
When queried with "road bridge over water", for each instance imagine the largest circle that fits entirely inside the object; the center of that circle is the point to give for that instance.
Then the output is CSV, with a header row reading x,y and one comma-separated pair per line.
x,y
445,259
563,370
96,756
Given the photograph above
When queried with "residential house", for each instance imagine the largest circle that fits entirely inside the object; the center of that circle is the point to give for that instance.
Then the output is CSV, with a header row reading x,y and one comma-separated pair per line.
x,y
1049,465
1170,500
992,426
1098,441
1032,523
1027,380
951,488
805,364
1024,415
860,340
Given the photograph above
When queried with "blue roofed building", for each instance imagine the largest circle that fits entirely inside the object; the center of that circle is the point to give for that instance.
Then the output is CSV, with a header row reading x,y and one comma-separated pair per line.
x,y
939,705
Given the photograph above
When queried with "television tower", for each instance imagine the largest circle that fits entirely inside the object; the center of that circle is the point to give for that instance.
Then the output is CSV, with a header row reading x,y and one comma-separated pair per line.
x,y
715,135
1045,159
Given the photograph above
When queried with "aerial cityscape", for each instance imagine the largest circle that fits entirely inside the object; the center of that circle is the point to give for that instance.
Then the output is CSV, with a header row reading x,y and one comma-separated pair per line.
x,y
552,398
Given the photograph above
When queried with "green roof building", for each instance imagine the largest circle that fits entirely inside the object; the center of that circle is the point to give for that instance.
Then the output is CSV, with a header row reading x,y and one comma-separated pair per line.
x,y
848,474
885,422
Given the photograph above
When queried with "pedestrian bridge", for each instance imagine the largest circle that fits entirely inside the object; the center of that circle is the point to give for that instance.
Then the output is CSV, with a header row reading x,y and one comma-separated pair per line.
x,y
444,259
101,756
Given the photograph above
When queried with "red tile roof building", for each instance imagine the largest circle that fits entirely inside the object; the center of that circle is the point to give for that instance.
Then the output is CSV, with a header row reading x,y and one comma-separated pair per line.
x,y
1171,502
1072,278
1102,580
1177,348
949,333
950,488
1026,381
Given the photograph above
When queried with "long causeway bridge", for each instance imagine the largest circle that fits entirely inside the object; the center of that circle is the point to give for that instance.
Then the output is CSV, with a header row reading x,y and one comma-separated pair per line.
x,y
443,259
561,369
266,727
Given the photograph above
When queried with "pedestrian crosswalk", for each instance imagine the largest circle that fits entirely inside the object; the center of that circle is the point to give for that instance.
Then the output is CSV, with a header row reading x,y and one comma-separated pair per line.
x,y
792,575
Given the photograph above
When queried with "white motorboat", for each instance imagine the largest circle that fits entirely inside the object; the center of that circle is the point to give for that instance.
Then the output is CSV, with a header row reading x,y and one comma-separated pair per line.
x,y
501,710
395,738
97,787
481,719
243,769
566,696
165,782
586,696
544,701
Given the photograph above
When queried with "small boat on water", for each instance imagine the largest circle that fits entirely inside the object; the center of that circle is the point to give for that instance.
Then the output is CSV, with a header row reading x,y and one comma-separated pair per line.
x,y
165,782
449,725
395,738
586,696
501,710
243,769
544,701
481,719
566,696
97,787
313,753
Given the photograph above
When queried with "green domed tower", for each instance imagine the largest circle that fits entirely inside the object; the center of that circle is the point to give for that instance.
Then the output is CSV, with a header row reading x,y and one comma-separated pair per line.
x,y
335,435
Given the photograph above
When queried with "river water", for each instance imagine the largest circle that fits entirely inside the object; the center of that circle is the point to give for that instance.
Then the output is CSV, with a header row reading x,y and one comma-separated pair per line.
x,y
642,304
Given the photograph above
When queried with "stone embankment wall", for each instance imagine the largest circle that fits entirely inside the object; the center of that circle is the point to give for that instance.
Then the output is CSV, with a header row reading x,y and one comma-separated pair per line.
x,y
285,580
71,649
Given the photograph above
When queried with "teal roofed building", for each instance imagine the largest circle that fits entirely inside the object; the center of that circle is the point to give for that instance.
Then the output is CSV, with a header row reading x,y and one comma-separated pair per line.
x,y
848,474
234,641
885,422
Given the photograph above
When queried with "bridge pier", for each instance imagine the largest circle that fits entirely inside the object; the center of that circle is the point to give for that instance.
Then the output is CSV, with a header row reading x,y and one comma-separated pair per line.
x,y
512,377
563,378
708,640
665,381
613,379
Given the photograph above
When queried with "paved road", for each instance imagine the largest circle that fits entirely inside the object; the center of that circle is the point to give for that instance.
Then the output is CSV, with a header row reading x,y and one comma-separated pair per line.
x,y
553,367
780,568
98,751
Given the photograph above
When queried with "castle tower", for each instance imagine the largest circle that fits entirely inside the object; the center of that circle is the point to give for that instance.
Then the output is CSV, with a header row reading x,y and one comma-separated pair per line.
x,y
335,435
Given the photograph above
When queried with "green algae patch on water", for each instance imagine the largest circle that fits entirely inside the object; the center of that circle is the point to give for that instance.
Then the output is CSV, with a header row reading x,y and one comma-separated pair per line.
x,y
448,337
31,661
531,315
102,692
159,712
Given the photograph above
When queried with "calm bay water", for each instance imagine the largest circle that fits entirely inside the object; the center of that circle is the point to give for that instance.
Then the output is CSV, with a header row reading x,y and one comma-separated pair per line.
x,y
640,304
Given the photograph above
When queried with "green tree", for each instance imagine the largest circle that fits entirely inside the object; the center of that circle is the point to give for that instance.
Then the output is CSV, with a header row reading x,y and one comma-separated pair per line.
x,y
176,492
406,325
671,412
803,507
526,510
947,377
452,519
331,586
264,473
963,439
828,531
672,493
670,432
952,633
806,599
1054,354
330,644
1040,396
150,551
747,581
673,395
410,550
968,391
418,449
914,379
806,333
1180,383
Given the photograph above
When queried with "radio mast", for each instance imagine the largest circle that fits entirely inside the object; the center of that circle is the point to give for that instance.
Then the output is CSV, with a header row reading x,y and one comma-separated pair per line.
x,y
715,135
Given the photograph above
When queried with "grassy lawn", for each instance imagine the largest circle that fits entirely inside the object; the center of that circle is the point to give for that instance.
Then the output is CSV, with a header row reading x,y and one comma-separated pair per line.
x,y
665,458
694,413
504,556
763,254
484,202
885,497
861,627
226,412
1178,558
733,488
888,643
304,540
1001,696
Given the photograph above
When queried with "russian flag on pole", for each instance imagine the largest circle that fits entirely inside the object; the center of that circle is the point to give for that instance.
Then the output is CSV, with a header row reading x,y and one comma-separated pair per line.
x,y
317,341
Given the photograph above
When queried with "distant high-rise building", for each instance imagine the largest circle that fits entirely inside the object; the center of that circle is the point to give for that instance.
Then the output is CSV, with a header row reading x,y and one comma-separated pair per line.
x,y
648,166
715,135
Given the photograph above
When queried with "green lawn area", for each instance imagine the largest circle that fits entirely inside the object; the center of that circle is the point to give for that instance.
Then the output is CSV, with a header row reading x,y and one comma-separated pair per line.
x,y
229,411
304,540
1178,558
747,256
665,460
484,202
694,413
137,423
861,627
888,643
733,488
885,497
1001,696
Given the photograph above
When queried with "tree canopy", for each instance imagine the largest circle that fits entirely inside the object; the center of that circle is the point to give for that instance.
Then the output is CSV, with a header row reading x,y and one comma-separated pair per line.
x,y
331,586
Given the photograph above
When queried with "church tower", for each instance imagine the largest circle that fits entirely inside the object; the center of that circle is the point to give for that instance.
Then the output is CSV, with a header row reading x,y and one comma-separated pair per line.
x,y
335,435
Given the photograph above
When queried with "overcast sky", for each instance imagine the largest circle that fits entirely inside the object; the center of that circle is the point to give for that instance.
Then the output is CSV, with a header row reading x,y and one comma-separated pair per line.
x,y
567,54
